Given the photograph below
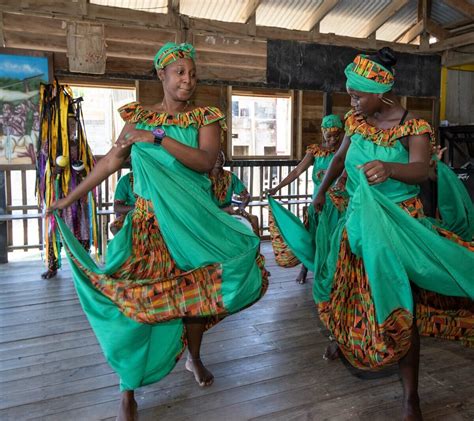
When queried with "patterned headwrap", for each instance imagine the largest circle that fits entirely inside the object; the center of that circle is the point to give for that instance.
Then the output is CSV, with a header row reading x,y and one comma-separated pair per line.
x,y
366,75
331,123
170,52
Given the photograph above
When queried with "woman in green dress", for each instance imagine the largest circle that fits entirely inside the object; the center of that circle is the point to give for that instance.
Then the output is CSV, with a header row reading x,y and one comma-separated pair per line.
x,y
169,275
385,255
318,156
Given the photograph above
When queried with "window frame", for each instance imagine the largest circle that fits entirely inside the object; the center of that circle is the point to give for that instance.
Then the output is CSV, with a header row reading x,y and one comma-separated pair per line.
x,y
289,94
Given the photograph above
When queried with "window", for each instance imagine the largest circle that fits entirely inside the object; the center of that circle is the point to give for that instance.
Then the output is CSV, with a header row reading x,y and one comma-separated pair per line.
x,y
101,119
261,126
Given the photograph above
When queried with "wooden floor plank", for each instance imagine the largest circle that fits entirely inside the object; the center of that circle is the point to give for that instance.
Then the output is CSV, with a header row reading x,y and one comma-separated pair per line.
x,y
266,361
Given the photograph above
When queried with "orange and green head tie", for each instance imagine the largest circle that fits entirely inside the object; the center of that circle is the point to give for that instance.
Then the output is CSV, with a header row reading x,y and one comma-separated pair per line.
x,y
170,52
331,123
365,75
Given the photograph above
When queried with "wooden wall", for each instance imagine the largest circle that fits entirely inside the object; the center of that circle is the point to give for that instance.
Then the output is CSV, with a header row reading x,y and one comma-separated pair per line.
x,y
228,55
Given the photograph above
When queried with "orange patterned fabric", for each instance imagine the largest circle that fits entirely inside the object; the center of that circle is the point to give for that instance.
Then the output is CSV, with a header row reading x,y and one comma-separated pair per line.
x,y
162,291
284,257
199,117
372,70
350,316
386,137
350,313
221,184
317,151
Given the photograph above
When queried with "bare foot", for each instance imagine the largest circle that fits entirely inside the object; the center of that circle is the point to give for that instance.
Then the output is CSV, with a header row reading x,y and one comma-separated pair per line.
x,y
49,274
332,351
301,278
202,375
411,409
128,409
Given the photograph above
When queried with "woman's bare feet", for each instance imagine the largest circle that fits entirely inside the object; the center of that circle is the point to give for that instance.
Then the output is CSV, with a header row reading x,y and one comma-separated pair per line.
x,y
332,351
49,274
202,375
301,278
128,409
411,409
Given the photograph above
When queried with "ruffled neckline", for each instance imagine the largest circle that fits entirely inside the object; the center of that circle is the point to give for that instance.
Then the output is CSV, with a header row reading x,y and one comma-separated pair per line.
x,y
356,124
317,151
134,112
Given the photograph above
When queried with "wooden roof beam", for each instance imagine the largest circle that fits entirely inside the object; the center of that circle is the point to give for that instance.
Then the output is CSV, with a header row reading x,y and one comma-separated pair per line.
x,y
250,11
436,30
451,42
314,19
412,33
462,6
385,14
457,58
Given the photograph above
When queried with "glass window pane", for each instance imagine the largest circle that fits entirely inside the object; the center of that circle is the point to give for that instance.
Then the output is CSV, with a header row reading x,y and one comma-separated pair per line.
x,y
101,119
261,126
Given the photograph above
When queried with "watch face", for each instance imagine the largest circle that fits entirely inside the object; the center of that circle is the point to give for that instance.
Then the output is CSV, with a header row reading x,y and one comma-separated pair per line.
x,y
160,133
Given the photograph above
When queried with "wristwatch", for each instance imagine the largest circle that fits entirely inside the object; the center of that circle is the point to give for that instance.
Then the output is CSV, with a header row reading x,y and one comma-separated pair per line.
x,y
159,135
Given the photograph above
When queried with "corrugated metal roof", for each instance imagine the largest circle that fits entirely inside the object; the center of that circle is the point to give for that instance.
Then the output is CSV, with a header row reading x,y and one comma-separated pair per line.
x,y
289,14
399,23
445,15
222,10
348,17
155,6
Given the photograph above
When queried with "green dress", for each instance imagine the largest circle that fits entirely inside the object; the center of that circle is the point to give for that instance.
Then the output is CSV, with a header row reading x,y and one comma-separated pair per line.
x,y
336,202
169,260
225,186
385,251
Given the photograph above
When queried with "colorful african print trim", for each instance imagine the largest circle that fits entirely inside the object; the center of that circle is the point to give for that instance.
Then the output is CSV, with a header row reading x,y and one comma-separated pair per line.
x,y
199,117
170,52
331,130
220,185
317,151
284,257
387,137
372,70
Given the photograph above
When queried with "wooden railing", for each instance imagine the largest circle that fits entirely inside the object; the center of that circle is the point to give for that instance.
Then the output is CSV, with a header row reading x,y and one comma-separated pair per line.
x,y
21,223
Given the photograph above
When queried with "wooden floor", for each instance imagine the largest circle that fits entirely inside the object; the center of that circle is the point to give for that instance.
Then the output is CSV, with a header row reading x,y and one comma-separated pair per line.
x,y
266,361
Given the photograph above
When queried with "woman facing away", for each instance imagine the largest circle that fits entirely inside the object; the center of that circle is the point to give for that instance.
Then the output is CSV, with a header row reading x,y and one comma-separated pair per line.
x,y
386,260
319,156
225,184
169,274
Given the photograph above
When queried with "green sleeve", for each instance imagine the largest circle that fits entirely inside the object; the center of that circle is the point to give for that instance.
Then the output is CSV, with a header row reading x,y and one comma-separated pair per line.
x,y
237,186
123,187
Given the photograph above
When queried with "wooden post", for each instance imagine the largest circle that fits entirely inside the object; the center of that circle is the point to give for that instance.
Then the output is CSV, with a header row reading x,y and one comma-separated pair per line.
x,y
3,225
327,103
299,124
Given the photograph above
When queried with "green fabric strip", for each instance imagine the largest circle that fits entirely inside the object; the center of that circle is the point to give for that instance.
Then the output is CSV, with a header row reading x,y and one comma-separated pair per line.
x,y
362,84
454,204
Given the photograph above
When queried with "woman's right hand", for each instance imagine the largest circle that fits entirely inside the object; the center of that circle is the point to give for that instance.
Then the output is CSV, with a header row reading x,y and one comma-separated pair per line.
x,y
58,204
271,192
319,202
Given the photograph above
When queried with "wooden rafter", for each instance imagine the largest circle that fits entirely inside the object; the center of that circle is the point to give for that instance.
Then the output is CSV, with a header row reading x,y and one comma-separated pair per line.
x,y
456,58
462,6
325,7
436,30
412,33
387,12
54,13
452,42
250,10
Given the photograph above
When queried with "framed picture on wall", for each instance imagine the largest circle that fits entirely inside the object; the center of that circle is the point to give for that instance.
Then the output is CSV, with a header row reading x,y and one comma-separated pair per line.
x,y
21,73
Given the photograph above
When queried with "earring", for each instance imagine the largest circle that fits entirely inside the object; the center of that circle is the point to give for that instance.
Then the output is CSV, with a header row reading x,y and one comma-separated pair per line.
x,y
387,101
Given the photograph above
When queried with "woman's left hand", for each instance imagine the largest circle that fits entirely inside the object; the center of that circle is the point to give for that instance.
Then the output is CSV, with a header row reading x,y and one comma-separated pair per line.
x,y
376,171
131,135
